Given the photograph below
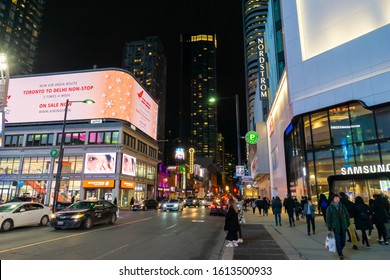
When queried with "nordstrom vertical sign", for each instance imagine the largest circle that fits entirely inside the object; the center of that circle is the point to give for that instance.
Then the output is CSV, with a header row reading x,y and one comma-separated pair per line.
x,y
262,68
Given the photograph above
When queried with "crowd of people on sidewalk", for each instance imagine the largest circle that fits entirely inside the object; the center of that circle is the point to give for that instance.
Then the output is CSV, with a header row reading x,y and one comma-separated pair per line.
x,y
342,217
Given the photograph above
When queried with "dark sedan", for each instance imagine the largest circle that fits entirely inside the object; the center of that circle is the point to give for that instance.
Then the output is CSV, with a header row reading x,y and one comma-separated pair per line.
x,y
85,214
145,205
218,208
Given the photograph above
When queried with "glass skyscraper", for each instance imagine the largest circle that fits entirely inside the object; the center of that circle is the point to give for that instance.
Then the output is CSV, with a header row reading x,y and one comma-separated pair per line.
x,y
20,24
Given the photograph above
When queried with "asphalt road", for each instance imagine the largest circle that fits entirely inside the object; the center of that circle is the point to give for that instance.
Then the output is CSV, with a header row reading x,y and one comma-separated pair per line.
x,y
144,235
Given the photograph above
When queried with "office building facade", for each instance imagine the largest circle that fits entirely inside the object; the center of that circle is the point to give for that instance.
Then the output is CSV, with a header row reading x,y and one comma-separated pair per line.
x,y
20,25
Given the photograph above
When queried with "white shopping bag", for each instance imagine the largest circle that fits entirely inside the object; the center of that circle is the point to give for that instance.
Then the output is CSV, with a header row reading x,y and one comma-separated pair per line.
x,y
330,243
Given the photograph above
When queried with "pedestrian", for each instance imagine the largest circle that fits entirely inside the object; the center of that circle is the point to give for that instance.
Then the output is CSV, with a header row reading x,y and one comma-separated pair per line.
x,y
265,206
259,204
284,205
380,218
290,206
297,209
337,218
253,206
277,210
309,211
131,202
231,224
352,212
303,202
322,205
362,219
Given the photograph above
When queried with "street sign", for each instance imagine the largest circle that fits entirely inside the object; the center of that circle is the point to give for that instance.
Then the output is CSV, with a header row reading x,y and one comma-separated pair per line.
x,y
251,137
54,153
240,171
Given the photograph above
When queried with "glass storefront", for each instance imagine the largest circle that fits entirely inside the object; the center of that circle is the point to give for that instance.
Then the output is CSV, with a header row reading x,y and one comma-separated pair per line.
x,y
344,148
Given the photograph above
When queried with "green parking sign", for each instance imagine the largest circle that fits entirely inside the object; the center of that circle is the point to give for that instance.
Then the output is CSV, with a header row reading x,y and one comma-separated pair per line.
x,y
54,153
251,137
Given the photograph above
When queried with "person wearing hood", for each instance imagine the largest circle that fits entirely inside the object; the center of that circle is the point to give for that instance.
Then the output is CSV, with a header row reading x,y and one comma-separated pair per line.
x,y
337,220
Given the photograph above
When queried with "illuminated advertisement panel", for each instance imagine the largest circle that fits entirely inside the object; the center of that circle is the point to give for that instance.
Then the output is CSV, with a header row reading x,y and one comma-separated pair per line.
x,y
116,93
99,163
179,154
1,129
326,24
129,165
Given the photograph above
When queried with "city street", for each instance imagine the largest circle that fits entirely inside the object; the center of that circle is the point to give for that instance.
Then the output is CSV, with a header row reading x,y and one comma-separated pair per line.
x,y
158,235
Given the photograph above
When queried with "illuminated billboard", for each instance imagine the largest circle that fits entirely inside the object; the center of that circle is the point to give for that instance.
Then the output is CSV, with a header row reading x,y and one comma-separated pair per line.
x,y
326,24
179,154
116,93
99,163
129,165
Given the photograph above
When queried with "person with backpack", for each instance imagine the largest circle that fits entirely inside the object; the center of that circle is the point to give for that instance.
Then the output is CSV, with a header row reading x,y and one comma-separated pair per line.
x,y
322,205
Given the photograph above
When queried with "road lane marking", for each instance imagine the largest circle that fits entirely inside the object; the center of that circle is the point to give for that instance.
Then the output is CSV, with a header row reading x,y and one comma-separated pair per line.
x,y
112,251
171,226
69,236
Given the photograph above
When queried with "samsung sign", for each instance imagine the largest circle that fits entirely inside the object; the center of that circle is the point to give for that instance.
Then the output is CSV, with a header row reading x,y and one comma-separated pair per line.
x,y
262,69
365,169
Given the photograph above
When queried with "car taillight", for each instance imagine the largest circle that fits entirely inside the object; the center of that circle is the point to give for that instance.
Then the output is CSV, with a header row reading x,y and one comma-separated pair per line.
x,y
212,206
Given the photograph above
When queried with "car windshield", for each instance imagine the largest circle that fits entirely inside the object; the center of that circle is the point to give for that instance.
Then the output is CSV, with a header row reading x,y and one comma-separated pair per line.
x,y
82,205
9,207
174,201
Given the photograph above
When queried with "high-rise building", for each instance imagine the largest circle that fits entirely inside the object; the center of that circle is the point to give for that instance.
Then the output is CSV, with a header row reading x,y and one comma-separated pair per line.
x,y
147,62
20,24
256,74
201,51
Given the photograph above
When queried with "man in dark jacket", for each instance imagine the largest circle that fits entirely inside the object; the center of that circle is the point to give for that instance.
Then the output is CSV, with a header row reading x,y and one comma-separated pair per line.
x,y
380,218
351,208
290,207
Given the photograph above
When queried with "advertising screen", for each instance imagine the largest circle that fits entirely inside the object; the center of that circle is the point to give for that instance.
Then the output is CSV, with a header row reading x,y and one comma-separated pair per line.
x,y
179,154
99,163
116,93
129,165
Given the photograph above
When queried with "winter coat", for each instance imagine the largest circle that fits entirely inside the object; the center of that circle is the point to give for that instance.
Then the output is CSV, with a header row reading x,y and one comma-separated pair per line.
x,y
290,204
337,220
379,210
312,209
350,206
276,206
231,220
362,217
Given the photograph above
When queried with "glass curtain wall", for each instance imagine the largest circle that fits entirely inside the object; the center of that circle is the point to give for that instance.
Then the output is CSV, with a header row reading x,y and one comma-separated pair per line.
x,y
320,144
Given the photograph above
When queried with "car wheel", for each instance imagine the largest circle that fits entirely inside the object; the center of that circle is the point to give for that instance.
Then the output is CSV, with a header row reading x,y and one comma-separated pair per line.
x,y
146,208
44,220
7,225
113,219
87,223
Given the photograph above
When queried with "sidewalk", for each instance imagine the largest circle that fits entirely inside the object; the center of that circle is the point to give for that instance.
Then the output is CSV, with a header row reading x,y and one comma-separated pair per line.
x,y
263,240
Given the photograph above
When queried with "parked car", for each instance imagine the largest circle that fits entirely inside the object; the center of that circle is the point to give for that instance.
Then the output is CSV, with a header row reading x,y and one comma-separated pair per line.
x,y
145,205
173,205
17,214
191,202
218,208
85,214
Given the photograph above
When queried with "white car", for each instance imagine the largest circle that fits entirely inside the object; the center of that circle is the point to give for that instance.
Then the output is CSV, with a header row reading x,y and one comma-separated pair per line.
x,y
173,205
18,214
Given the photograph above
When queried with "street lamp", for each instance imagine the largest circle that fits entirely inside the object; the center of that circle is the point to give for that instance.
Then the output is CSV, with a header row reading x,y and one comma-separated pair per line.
x,y
4,81
214,100
61,153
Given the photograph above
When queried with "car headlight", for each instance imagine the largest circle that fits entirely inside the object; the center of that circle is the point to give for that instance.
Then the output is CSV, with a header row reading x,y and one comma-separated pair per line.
x,y
77,216
53,216
142,205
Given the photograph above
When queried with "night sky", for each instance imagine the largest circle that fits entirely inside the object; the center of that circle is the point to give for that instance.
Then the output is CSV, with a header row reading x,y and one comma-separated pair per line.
x,y
76,35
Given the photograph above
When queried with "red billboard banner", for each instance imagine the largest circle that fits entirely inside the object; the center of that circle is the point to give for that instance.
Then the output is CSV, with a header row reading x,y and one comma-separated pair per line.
x,y
117,95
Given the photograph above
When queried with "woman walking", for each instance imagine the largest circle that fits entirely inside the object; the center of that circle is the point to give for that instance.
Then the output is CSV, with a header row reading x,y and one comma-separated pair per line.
x,y
362,219
337,220
231,224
